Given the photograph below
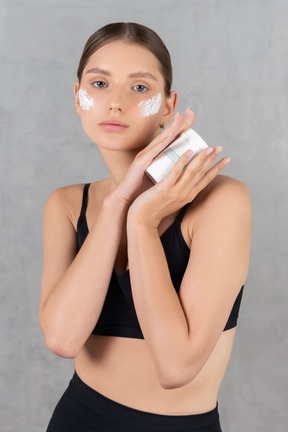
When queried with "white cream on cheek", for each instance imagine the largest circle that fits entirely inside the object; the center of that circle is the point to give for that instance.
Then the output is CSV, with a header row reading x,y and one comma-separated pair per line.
x,y
150,106
86,102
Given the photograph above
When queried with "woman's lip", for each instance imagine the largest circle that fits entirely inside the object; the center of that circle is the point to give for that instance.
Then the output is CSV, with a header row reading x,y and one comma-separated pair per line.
x,y
114,122
114,125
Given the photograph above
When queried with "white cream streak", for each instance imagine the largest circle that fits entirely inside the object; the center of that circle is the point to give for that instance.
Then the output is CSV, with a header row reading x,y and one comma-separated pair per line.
x,y
86,102
151,106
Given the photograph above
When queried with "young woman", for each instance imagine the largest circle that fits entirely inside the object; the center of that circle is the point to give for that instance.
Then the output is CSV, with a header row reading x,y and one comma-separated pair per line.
x,y
142,283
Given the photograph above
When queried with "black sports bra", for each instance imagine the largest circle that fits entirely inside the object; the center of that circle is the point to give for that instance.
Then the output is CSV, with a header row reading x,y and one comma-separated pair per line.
x,y
118,316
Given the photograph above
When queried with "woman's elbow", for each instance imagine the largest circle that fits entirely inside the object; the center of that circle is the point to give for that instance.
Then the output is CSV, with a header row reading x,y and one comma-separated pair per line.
x,y
58,345
175,377
60,349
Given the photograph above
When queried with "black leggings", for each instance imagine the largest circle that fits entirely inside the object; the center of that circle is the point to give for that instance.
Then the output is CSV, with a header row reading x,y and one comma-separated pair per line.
x,y
82,409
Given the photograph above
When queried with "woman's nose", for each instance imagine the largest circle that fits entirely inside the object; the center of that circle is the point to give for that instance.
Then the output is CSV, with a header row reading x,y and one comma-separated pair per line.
x,y
117,101
115,106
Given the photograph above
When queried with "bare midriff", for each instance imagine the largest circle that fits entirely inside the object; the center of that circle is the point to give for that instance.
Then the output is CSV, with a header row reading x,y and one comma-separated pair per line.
x,y
122,370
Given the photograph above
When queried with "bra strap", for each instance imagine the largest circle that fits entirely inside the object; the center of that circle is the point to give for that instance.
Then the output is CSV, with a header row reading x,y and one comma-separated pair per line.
x,y
85,198
182,212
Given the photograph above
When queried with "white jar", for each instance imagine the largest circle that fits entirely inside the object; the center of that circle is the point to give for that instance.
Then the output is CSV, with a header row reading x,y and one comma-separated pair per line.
x,y
164,162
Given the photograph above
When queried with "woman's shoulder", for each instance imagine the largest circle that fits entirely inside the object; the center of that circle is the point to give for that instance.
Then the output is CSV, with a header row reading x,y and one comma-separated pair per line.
x,y
65,201
221,189
223,196
68,200
222,185
67,193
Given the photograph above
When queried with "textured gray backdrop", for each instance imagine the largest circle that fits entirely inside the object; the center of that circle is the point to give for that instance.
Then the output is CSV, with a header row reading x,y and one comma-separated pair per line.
x,y
231,67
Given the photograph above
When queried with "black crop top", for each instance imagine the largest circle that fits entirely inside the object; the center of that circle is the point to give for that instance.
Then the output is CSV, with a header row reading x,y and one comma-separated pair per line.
x,y
118,316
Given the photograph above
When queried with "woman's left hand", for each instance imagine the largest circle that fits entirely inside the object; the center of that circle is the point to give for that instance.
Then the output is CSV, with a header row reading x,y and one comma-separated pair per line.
x,y
178,188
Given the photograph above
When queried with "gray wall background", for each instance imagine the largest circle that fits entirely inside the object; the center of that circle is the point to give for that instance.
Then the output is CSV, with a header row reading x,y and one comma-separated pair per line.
x,y
231,67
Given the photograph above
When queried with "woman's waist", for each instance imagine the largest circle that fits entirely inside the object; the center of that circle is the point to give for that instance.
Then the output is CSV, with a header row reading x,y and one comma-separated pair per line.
x,y
122,370
88,404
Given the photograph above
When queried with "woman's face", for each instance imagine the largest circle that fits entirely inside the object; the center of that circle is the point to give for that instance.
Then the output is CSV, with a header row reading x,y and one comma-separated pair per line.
x,y
121,98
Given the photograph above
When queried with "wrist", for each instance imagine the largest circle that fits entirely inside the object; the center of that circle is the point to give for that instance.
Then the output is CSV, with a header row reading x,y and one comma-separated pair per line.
x,y
140,230
138,220
114,202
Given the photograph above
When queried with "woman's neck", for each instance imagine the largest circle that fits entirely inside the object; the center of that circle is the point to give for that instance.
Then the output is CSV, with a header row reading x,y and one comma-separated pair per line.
x,y
118,163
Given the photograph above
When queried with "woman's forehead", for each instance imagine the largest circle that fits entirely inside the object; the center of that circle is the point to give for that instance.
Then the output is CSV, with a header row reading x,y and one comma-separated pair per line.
x,y
120,56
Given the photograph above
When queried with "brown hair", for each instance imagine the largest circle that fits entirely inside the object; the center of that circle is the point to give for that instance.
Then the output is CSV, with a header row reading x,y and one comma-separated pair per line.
x,y
130,32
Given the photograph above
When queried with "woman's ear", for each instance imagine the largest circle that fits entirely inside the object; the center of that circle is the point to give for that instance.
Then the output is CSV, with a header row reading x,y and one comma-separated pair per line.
x,y
171,102
76,94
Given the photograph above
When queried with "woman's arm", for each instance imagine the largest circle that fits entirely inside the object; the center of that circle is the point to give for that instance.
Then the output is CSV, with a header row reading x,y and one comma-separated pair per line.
x,y
181,332
74,285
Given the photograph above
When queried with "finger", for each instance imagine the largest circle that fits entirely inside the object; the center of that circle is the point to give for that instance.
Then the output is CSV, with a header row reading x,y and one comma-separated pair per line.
x,y
199,165
177,127
164,138
188,120
162,141
173,176
169,134
197,169
211,174
179,124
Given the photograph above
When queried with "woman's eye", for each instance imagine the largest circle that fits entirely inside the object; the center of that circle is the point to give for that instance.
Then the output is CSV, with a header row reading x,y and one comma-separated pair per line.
x,y
140,88
99,84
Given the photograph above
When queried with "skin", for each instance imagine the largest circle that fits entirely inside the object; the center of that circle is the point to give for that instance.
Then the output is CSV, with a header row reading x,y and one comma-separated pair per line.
x,y
177,369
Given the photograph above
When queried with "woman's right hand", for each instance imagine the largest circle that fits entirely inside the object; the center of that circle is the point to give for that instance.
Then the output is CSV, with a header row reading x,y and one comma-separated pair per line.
x,y
136,181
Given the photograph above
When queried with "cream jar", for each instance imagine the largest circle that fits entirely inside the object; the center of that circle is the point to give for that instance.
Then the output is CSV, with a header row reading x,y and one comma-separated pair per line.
x,y
164,162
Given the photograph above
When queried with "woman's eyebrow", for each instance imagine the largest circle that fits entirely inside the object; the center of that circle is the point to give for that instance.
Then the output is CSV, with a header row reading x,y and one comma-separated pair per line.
x,y
99,71
143,75
132,75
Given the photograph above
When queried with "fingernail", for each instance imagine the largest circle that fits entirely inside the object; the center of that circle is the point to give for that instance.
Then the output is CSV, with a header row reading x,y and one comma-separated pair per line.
x,y
188,153
218,149
209,151
189,110
177,115
226,161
